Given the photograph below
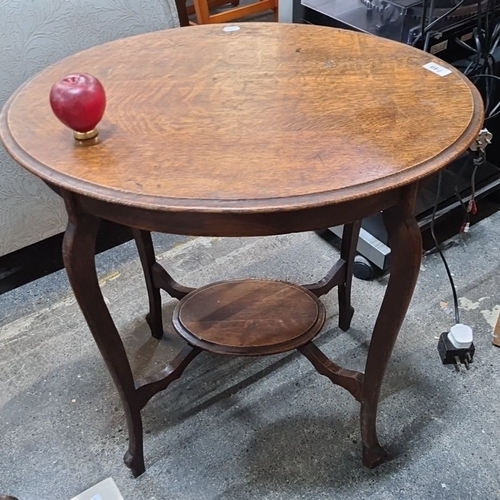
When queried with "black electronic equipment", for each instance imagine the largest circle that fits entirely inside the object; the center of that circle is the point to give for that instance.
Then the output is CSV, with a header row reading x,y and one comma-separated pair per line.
x,y
451,30
401,20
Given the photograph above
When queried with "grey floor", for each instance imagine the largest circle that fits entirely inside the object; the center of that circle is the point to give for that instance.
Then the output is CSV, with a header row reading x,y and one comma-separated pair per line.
x,y
268,428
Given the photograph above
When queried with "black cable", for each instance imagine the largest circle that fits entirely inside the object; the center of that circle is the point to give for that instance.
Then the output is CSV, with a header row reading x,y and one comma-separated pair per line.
x,y
487,39
424,18
425,29
492,63
479,20
446,14
494,77
427,38
495,19
438,247
492,116
473,182
493,111
464,207
477,54
458,176
422,25
495,39
474,62
481,160
465,45
483,64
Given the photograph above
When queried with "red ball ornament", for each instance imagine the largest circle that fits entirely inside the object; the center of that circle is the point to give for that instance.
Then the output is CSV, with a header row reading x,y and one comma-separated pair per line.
x,y
79,101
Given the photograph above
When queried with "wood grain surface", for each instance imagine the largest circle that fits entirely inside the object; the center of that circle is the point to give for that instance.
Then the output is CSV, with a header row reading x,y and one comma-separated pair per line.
x,y
269,116
249,317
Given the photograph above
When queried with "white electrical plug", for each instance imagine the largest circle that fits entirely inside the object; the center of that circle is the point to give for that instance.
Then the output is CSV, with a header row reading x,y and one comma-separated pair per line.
x,y
460,336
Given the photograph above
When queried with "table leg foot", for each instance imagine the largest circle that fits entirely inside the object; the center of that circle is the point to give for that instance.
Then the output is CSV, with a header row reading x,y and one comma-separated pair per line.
x,y
373,457
147,255
135,463
134,457
155,323
406,253
347,253
346,312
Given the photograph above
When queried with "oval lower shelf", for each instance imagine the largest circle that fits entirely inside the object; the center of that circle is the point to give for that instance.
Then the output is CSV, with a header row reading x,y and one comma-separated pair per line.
x,y
249,317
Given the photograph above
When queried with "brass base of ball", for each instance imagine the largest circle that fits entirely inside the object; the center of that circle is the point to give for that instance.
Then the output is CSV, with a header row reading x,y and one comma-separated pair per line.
x,y
86,138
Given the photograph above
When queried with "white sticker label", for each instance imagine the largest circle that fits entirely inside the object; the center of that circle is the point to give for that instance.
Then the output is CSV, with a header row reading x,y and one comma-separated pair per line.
x,y
437,69
231,28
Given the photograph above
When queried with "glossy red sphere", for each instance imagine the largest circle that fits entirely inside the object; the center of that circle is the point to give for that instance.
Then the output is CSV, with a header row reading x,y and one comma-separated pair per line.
x,y
79,101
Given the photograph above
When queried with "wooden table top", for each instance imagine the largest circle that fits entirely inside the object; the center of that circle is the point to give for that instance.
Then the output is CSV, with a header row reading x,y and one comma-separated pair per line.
x,y
258,118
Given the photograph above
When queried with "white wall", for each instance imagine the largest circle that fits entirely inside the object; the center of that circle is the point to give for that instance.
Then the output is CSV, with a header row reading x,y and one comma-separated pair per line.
x,y
34,34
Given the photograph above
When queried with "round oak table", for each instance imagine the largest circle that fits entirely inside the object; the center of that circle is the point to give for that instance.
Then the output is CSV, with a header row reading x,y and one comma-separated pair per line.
x,y
251,129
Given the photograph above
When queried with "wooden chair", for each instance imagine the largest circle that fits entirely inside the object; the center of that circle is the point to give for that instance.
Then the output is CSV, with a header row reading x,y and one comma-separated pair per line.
x,y
213,4
203,15
183,12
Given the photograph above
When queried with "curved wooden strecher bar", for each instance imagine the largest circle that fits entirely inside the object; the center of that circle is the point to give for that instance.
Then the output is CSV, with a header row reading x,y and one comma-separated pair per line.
x,y
270,129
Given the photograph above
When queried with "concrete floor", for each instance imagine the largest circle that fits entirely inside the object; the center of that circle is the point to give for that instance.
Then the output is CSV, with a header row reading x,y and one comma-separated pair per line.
x,y
269,428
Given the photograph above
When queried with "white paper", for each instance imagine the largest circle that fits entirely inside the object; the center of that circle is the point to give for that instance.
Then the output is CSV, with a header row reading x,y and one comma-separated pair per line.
x,y
437,69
